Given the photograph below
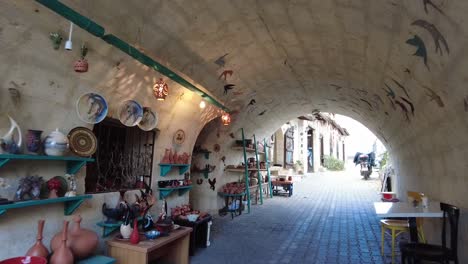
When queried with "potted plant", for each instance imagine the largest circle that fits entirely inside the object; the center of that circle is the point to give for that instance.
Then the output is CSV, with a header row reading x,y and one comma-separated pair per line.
x,y
81,65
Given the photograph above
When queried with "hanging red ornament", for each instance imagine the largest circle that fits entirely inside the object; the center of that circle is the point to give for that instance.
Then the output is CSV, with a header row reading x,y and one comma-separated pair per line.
x,y
161,90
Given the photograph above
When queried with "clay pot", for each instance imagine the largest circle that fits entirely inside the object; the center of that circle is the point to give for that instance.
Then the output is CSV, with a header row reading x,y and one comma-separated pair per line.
x,y
166,159
81,65
33,141
63,254
135,236
38,249
82,242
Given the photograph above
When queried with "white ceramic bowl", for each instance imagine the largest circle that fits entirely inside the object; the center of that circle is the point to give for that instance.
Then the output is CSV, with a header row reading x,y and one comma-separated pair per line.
x,y
192,217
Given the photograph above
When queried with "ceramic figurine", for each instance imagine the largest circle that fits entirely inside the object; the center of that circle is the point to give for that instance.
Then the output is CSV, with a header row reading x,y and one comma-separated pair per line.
x,y
31,186
63,254
8,142
33,141
71,185
81,65
56,144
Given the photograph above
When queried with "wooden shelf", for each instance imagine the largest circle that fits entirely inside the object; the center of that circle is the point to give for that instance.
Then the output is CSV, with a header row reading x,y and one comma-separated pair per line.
x,y
74,164
165,168
164,192
71,203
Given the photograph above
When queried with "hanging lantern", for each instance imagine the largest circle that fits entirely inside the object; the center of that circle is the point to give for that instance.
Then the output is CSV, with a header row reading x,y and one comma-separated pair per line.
x,y
161,90
226,119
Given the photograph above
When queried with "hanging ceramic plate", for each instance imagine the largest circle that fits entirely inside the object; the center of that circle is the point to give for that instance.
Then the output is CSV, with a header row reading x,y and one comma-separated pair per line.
x,y
130,113
83,142
149,121
179,137
91,108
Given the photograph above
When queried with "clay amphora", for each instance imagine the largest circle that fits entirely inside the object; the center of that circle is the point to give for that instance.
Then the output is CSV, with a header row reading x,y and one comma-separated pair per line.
x,y
38,249
63,254
82,242
135,236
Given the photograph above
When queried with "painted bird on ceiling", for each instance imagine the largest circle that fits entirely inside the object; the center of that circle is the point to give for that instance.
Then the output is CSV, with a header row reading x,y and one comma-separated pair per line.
x,y
434,97
435,33
228,87
225,73
403,108
429,2
252,102
220,61
401,87
409,103
421,48
212,183
390,92
262,113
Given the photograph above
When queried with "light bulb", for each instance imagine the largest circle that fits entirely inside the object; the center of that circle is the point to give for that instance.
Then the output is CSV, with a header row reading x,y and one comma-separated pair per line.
x,y
202,104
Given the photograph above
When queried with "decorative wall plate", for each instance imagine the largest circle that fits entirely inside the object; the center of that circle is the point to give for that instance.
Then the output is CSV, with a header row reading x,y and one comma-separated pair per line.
x,y
91,108
130,113
179,137
83,142
149,121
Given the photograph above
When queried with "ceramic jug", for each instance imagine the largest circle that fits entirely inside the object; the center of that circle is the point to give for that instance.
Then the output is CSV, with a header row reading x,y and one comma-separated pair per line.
x,y
8,142
38,249
82,242
63,254
56,144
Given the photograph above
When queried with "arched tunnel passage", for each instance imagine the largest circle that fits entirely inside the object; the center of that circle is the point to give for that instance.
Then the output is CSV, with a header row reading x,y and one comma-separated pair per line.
x,y
397,67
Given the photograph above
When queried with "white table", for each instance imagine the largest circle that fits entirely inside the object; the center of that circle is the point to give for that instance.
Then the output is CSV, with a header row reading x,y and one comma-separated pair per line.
x,y
407,210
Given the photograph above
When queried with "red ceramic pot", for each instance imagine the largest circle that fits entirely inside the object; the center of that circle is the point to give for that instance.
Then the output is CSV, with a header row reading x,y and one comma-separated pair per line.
x,y
81,65
21,260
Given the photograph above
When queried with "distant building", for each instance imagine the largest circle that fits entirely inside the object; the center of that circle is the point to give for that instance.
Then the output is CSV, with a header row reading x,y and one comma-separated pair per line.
x,y
308,139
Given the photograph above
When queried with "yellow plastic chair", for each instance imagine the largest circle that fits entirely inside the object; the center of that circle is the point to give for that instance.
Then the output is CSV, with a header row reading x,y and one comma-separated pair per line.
x,y
397,227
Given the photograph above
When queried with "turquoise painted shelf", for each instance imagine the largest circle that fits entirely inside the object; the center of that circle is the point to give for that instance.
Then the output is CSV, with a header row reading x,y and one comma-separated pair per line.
x,y
71,203
74,164
164,192
165,168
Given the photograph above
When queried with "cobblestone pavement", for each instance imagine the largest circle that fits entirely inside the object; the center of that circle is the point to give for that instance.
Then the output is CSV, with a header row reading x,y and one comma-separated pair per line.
x,y
329,219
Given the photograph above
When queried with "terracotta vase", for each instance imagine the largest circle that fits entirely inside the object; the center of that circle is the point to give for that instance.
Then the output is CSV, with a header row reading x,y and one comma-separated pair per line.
x,y
82,242
175,157
135,236
81,65
63,254
171,157
166,159
38,249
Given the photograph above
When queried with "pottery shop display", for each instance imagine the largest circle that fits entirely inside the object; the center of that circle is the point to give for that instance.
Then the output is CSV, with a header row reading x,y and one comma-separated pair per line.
x,y
91,108
33,141
130,113
38,249
149,121
62,254
83,142
56,144
10,142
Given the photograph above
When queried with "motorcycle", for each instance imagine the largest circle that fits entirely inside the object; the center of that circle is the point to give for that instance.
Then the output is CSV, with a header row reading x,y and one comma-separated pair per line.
x,y
366,162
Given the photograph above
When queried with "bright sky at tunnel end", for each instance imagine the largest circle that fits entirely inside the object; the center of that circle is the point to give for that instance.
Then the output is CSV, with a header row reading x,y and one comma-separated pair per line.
x,y
361,139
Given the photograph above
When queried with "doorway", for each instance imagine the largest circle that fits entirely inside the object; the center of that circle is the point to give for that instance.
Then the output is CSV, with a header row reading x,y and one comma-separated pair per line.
x,y
310,150
322,159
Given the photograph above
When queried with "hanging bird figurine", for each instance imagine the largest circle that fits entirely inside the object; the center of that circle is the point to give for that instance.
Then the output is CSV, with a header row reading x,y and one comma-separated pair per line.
x,y
228,87
225,73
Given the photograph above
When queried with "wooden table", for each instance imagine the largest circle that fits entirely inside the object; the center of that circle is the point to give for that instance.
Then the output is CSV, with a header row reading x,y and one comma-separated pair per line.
x,y
286,185
170,249
408,210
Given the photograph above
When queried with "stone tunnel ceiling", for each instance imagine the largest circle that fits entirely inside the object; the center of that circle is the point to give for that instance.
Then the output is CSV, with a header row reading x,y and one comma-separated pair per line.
x,y
398,67
395,66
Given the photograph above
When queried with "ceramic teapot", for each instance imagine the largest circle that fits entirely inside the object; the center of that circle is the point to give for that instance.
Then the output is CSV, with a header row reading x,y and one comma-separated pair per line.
x,y
8,142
